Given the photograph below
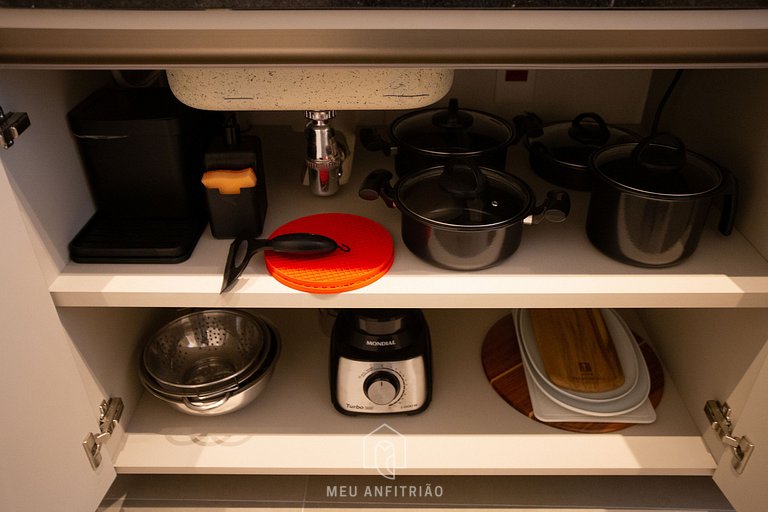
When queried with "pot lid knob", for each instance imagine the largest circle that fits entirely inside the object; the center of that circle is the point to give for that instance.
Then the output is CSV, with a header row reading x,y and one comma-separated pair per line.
x,y
462,179
453,118
589,129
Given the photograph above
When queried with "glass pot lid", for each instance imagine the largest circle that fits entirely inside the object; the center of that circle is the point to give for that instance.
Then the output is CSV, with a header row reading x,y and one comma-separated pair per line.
x,y
662,169
570,143
451,131
463,195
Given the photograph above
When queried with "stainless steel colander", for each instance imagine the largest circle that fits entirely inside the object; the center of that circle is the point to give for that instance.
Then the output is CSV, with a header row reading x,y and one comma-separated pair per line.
x,y
206,353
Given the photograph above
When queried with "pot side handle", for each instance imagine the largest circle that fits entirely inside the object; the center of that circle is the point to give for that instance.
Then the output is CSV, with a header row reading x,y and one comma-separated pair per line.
x,y
376,185
527,125
555,208
373,141
205,406
730,200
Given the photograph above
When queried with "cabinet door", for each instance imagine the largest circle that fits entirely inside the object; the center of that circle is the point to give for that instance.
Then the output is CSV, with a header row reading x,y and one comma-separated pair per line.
x,y
747,492
46,413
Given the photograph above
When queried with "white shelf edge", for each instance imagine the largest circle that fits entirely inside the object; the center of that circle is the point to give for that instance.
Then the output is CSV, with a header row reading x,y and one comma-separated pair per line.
x,y
585,454
462,291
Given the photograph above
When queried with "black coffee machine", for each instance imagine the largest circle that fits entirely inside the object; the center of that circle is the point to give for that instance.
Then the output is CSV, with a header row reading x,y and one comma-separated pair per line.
x,y
143,156
381,361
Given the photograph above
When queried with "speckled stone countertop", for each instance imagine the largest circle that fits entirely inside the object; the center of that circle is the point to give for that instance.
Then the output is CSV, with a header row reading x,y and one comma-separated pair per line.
x,y
386,4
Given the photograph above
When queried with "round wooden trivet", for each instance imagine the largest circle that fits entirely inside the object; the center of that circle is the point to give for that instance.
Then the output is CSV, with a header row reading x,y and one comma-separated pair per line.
x,y
503,365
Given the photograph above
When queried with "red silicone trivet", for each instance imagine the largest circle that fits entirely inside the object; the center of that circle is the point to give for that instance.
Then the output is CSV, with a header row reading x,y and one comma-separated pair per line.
x,y
371,253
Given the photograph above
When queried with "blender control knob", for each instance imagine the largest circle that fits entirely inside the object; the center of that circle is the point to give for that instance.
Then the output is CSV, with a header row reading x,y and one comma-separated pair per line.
x,y
382,387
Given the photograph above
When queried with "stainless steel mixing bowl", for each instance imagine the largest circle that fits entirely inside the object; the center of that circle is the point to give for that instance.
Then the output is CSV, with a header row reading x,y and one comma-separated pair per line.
x,y
205,353
229,401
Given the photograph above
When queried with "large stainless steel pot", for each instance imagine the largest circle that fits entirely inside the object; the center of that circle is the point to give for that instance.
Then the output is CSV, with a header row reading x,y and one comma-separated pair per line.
x,y
650,201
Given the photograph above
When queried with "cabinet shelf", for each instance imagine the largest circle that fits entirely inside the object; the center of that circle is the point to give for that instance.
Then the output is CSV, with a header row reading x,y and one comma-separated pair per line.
x,y
293,427
555,266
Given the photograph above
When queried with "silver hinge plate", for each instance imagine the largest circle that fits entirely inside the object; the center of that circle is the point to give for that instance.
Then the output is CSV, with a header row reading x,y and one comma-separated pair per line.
x,y
109,415
11,126
719,415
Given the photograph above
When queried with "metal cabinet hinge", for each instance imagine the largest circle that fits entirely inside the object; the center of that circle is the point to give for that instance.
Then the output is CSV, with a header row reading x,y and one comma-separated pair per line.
x,y
109,416
11,126
719,416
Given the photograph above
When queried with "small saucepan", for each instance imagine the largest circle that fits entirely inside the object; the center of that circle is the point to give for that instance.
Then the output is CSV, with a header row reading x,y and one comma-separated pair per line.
x,y
650,200
462,216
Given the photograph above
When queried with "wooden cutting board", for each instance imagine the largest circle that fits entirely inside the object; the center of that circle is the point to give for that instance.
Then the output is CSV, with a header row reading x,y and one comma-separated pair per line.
x,y
576,349
503,366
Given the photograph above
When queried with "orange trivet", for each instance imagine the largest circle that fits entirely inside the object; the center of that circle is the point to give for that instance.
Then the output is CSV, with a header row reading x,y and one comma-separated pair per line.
x,y
371,253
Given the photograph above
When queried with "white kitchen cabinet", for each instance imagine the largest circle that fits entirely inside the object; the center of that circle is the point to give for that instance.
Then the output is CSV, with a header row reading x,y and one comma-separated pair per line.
x,y
49,402
74,329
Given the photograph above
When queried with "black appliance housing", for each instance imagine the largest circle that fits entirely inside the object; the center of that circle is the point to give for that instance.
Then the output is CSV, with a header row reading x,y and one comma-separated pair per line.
x,y
143,156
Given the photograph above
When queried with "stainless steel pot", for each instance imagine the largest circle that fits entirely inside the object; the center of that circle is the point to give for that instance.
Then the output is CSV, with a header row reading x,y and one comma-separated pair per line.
x,y
650,201
559,152
429,137
461,216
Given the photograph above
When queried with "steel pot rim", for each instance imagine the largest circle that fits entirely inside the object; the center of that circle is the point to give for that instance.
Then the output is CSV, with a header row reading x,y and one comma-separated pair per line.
x,y
660,196
461,154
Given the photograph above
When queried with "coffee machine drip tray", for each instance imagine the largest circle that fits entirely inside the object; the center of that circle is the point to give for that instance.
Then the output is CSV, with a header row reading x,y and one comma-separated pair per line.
x,y
106,239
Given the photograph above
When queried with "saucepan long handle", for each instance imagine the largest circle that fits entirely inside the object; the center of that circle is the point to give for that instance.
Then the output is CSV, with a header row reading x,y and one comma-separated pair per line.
x,y
242,250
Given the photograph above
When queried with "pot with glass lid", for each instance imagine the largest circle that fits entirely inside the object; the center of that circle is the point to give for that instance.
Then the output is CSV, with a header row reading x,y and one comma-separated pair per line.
x,y
559,152
650,200
462,216
429,137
